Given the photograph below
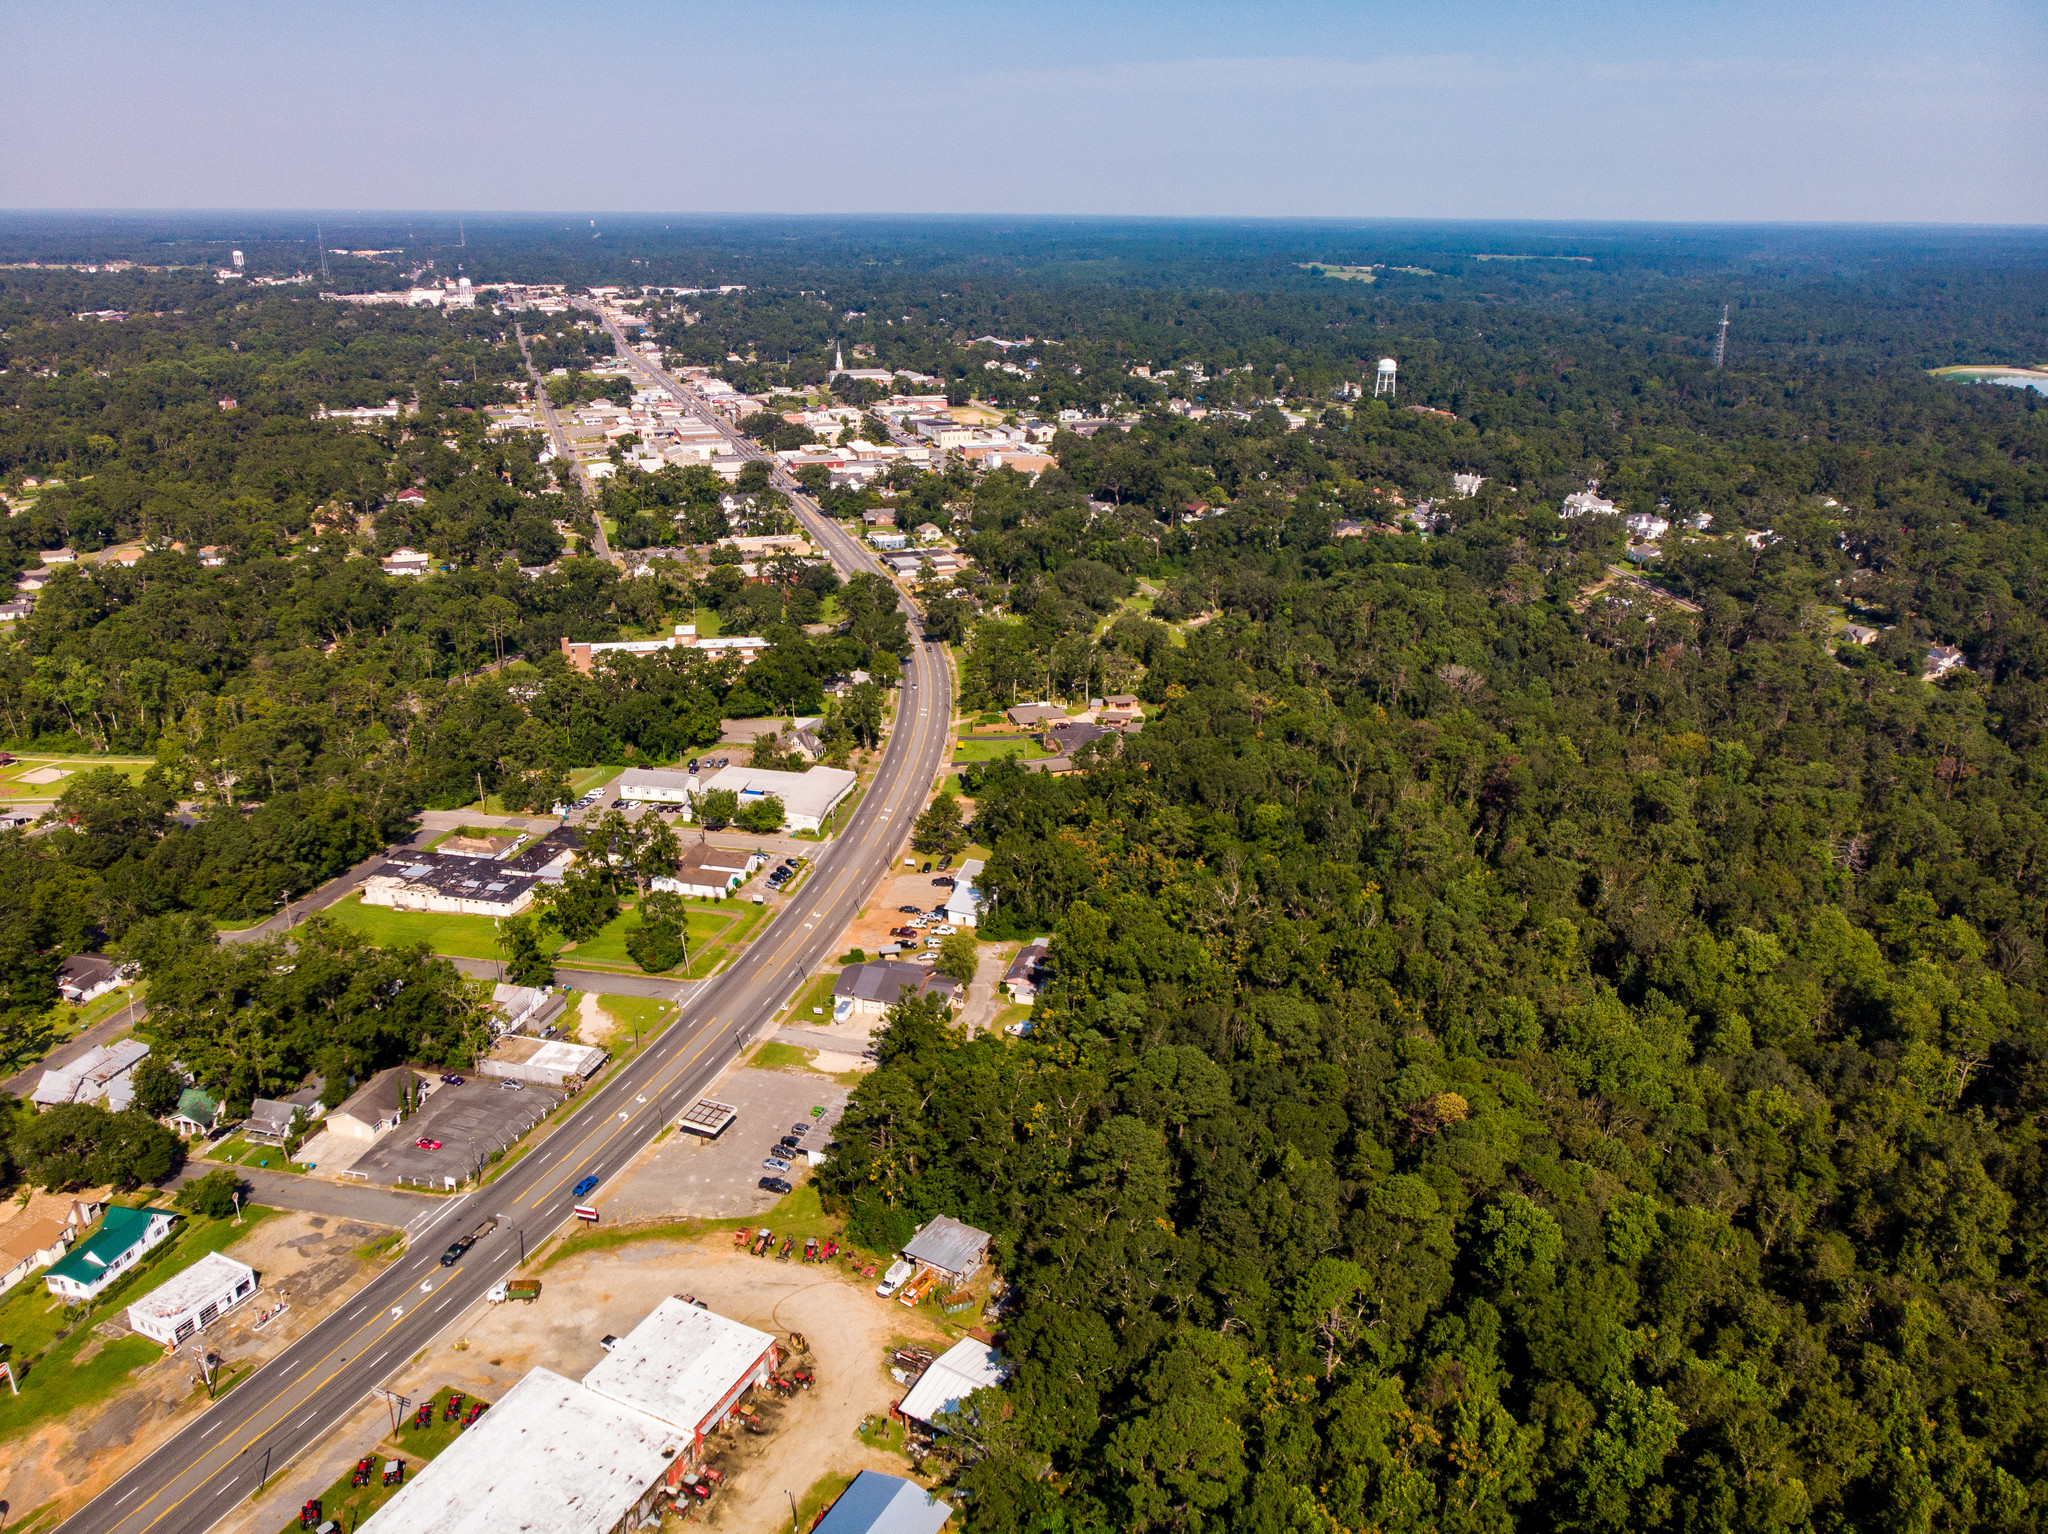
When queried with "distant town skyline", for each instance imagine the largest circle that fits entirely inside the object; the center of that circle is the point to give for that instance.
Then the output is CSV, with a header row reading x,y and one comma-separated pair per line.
x,y
1471,109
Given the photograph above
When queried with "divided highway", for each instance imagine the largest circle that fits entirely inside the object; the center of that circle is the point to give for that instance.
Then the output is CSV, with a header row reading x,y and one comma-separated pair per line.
x,y
224,1455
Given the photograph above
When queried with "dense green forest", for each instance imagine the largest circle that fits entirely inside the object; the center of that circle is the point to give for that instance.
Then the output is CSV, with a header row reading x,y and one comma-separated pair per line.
x,y
1541,1034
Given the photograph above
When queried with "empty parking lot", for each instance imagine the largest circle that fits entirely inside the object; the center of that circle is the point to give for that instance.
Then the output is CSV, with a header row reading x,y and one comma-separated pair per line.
x,y
687,1175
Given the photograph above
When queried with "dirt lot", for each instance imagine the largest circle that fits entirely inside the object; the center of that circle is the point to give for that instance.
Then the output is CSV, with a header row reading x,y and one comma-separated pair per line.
x,y
870,930
688,1175
849,1331
306,1260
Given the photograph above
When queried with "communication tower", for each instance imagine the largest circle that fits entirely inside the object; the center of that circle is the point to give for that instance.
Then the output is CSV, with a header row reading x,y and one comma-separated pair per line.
x,y
1383,381
1721,340
320,238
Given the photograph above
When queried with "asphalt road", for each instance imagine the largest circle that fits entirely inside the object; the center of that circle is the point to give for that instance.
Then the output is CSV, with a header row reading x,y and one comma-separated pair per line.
x,y
560,438
222,1457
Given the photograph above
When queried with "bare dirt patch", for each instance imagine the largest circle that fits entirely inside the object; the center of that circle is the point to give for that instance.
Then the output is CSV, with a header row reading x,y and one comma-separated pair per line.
x,y
306,1260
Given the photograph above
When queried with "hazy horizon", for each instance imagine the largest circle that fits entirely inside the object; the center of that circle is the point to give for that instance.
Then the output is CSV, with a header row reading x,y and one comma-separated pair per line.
x,y
1478,111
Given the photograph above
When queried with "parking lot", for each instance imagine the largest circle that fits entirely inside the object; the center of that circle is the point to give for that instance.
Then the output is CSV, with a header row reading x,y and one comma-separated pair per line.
x,y
716,1179
470,1121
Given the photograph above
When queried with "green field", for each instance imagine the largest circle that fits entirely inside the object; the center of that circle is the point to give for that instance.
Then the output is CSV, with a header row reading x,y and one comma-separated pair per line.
x,y
45,1339
12,786
1023,747
707,925
465,937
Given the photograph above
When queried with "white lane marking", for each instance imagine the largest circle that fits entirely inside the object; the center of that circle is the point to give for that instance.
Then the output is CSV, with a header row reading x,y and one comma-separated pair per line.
x,y
127,1494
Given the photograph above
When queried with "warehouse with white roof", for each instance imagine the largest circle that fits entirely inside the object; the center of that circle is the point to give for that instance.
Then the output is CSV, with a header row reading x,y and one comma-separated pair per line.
x,y
807,797
594,1457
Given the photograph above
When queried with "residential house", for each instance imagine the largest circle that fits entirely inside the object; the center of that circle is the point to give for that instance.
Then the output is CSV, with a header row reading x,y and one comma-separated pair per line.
x,y
124,1237
1467,485
42,1230
1026,972
1586,503
1941,660
196,1113
705,872
86,977
1027,715
407,562
100,1075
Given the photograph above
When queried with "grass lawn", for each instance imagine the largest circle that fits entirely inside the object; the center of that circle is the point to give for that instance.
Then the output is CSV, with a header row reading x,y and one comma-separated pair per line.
x,y
815,995
349,1505
1011,1012
1023,747
45,1341
706,926
823,1493
646,1013
467,937
237,1151
583,779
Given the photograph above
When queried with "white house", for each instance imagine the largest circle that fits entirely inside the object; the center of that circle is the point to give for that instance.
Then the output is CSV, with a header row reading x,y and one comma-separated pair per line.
x,y
194,1299
709,873
377,1106
124,1237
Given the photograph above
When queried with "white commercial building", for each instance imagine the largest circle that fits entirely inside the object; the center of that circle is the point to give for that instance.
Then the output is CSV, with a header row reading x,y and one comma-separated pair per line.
x,y
195,1299
963,906
807,797
592,1458
686,1366
549,1455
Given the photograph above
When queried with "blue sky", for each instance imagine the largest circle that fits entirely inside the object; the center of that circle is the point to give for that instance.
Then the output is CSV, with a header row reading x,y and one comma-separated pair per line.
x,y
1450,109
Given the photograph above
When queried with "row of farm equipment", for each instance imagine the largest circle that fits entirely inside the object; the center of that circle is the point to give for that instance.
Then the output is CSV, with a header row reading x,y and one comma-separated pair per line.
x,y
761,1242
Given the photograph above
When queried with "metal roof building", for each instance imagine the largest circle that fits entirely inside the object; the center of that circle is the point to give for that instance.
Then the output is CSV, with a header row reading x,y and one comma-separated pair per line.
x,y
953,1376
884,1504
956,1250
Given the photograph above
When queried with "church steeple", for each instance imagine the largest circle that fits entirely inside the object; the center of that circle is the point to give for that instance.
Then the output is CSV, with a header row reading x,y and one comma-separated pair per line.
x,y
838,359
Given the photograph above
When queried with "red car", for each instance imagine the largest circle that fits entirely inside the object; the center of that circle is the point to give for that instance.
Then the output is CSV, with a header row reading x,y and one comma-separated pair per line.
x,y
425,1144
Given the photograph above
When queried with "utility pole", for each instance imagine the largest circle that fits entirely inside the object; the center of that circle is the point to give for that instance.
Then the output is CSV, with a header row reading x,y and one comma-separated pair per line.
x,y
1721,340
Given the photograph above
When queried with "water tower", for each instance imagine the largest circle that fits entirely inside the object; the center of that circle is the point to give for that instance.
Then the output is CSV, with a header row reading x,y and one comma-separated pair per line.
x,y
237,259
1383,380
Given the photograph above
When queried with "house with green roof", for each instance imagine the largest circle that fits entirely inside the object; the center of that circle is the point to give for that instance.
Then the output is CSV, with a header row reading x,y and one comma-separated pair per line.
x,y
196,1113
84,1272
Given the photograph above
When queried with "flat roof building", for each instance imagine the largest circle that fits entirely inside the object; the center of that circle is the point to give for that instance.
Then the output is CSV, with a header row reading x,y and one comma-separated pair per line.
x,y
452,886
963,905
193,1300
685,1366
807,797
548,1455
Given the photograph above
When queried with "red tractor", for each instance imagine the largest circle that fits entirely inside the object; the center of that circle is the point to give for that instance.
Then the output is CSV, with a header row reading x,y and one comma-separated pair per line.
x,y
394,1472
476,1410
364,1468
309,1515
424,1417
454,1407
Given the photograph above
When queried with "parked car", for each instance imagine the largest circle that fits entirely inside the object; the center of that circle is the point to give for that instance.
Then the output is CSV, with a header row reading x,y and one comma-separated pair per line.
x,y
903,932
775,1164
586,1185
911,910
943,929
800,1130
423,1143
513,1086
927,868
693,764
898,1274
790,1143
451,1081
945,862
775,1185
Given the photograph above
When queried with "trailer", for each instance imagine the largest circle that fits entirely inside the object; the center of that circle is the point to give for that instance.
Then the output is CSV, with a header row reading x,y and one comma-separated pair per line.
x,y
526,1289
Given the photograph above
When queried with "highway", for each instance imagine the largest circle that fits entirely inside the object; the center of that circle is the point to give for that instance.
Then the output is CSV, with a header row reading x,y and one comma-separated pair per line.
x,y
220,1458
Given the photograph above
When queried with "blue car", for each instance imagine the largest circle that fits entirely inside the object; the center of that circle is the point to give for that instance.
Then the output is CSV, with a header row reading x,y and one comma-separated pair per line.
x,y
585,1186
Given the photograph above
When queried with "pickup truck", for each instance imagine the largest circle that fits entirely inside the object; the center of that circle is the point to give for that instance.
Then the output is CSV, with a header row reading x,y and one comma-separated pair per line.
x,y
454,1253
527,1289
